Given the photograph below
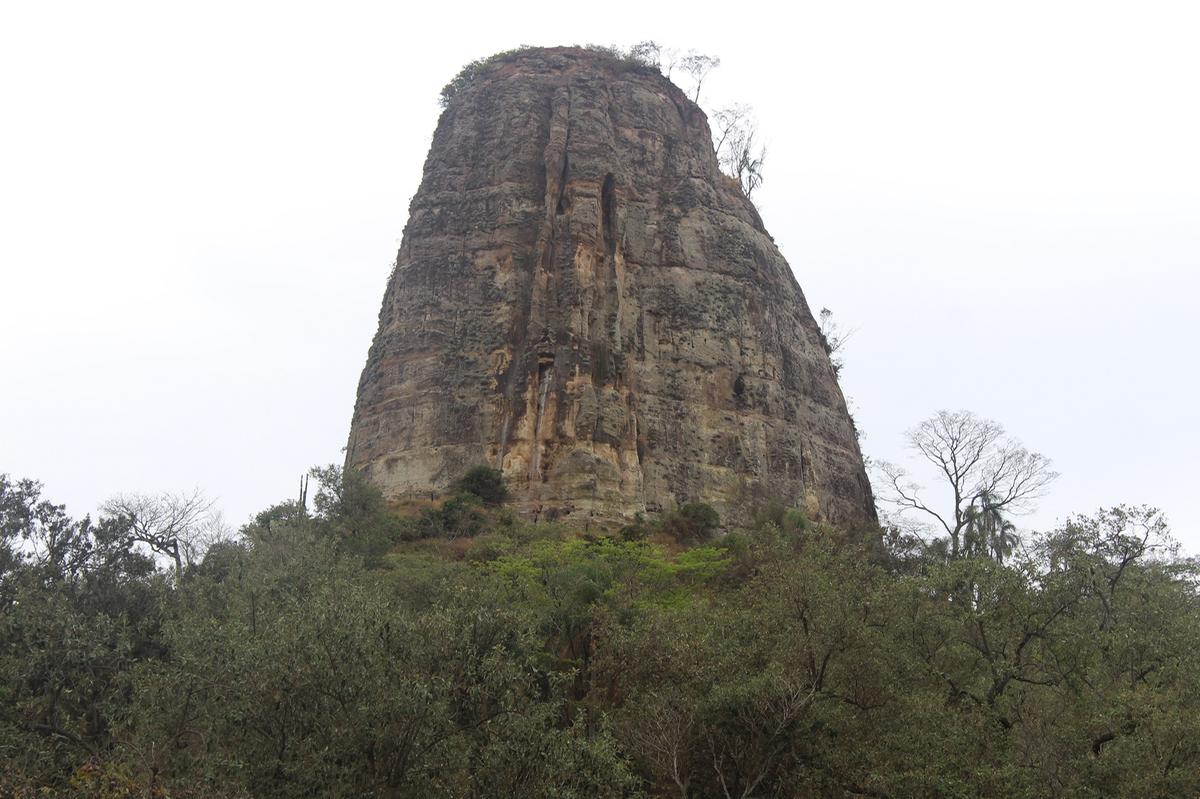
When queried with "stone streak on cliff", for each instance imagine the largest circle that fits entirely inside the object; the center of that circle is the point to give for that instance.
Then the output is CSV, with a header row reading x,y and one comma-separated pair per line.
x,y
584,301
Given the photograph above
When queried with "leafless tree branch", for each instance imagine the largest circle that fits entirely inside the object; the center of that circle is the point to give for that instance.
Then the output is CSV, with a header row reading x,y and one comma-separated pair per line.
x,y
984,470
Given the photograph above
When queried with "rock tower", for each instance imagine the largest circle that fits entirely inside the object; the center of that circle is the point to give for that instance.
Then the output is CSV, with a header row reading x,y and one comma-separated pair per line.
x,y
584,301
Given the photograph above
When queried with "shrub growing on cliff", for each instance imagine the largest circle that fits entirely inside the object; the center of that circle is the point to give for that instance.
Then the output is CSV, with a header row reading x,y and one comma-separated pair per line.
x,y
626,60
693,523
458,516
464,77
483,482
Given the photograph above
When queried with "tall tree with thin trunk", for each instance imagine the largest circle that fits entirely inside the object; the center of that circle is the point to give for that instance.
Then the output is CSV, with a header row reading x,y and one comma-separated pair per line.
x,y
698,66
982,470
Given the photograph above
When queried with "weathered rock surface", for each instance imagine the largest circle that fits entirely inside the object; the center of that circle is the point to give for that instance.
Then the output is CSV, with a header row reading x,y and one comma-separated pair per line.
x,y
583,300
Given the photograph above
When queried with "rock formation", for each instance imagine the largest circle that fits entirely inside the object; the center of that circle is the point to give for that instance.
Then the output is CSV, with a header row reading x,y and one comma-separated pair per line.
x,y
583,300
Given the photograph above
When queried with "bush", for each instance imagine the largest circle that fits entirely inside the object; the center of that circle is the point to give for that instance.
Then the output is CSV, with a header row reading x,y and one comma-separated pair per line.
x,y
789,522
483,482
459,516
693,523
636,530
624,61
353,511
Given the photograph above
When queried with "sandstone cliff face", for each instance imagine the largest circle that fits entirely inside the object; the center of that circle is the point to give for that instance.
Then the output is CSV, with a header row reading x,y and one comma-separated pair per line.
x,y
584,301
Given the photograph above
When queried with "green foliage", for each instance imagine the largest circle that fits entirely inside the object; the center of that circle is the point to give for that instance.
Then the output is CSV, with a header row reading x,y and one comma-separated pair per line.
x,y
483,482
78,607
464,78
353,511
457,516
692,523
636,530
342,690
336,654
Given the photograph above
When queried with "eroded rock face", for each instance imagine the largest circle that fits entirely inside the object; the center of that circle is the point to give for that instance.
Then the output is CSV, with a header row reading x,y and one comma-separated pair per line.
x,y
583,300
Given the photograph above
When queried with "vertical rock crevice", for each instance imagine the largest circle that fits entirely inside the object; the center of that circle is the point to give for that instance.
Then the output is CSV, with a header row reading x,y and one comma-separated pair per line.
x,y
545,377
560,207
608,213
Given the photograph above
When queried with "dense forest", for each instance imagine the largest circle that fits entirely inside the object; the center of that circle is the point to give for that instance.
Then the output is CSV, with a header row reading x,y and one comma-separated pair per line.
x,y
347,648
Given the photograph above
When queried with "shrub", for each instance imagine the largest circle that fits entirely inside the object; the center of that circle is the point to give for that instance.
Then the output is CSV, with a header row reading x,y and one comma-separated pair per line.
x,y
636,530
459,516
695,522
624,61
483,482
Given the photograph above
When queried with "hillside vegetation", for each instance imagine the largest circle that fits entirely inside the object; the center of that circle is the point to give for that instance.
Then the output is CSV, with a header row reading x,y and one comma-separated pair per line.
x,y
356,650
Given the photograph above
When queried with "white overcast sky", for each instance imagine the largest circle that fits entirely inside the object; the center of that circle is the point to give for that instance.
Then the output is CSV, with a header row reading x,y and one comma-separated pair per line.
x,y
200,203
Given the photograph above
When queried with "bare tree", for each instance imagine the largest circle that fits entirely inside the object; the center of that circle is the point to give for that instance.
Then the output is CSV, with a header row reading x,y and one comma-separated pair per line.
x,y
986,473
833,338
668,59
698,65
734,131
648,53
725,123
663,736
180,527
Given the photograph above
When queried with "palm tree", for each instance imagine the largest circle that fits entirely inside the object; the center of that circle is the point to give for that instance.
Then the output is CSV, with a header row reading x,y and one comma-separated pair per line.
x,y
987,532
